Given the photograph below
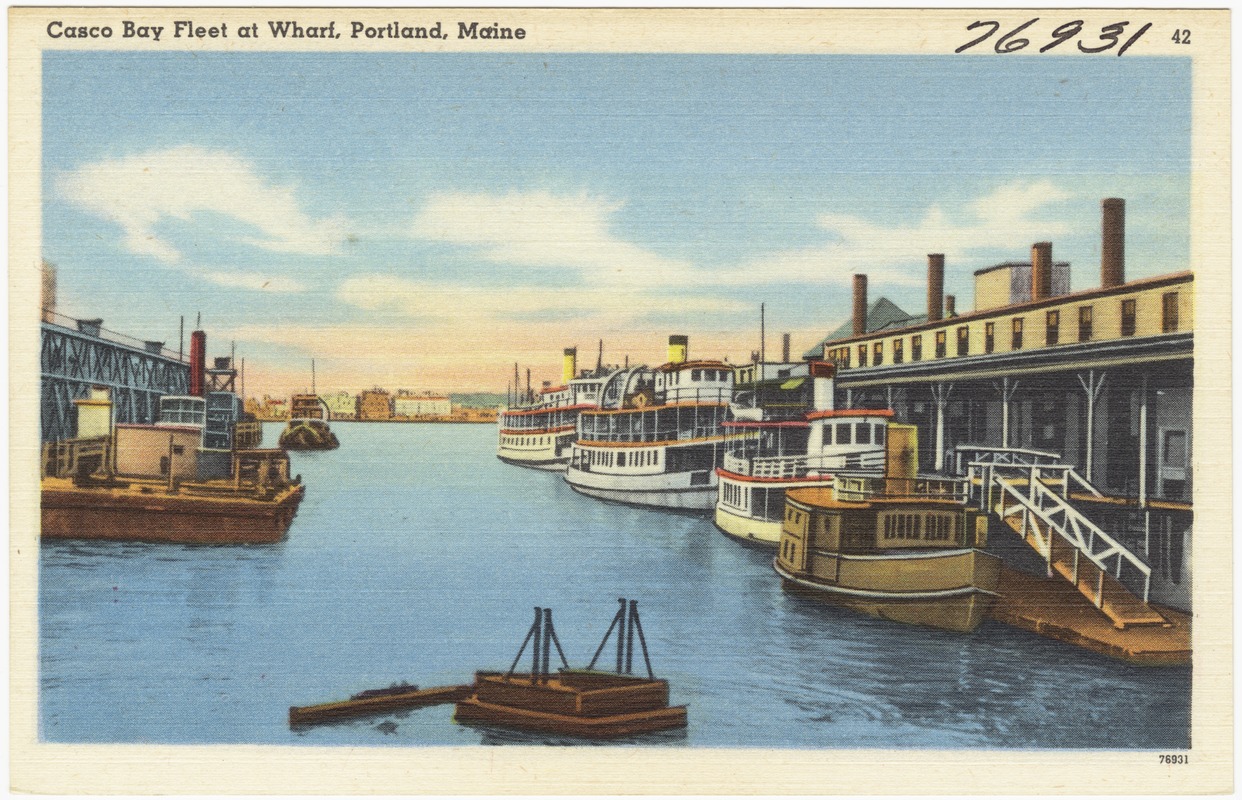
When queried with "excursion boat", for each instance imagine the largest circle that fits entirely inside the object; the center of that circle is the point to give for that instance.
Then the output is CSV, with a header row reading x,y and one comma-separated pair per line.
x,y
538,430
658,436
788,440
896,546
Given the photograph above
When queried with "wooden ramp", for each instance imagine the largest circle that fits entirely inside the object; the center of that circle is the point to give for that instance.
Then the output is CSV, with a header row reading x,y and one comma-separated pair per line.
x,y
1053,608
1099,589
365,706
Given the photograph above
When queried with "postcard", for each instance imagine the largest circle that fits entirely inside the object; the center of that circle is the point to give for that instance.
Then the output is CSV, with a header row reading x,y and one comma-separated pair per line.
x,y
620,401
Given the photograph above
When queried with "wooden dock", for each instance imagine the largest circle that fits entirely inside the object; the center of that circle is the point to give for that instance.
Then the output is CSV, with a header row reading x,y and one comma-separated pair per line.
x,y
365,706
1052,607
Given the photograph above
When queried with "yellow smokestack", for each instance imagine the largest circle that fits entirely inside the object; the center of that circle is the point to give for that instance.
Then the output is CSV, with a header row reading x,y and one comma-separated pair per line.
x,y
569,367
902,452
678,349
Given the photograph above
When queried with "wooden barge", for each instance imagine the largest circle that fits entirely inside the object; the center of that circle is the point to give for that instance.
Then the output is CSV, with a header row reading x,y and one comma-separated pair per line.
x,y
255,506
579,703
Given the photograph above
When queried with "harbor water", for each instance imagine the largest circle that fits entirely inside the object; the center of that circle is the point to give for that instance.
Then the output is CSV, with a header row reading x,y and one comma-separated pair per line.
x,y
418,556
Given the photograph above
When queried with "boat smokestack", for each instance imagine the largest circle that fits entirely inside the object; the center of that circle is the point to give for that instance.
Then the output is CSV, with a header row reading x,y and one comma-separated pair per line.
x,y
860,305
901,452
1041,270
1113,246
950,306
678,349
198,363
785,349
569,365
821,384
935,286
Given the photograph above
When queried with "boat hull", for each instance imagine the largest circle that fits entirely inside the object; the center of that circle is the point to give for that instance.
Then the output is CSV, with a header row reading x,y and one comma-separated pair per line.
x,y
751,530
663,494
133,515
873,590
542,462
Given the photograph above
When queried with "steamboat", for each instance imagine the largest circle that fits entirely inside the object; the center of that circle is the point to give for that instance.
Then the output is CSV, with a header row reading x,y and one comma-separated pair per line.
x,y
658,436
537,430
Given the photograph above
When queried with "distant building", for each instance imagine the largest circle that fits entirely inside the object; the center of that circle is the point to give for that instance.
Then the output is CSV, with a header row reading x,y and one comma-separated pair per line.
x,y
341,405
375,404
422,405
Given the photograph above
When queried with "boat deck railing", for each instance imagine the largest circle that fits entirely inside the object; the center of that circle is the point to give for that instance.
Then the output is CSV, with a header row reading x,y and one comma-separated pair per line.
x,y
854,488
801,466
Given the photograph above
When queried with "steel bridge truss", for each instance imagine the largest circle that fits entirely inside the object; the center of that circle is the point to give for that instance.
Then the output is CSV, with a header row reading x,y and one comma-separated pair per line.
x,y
72,362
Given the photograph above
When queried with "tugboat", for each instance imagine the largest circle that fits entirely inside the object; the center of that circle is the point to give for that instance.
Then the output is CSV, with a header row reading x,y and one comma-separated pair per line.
x,y
581,703
899,546
308,428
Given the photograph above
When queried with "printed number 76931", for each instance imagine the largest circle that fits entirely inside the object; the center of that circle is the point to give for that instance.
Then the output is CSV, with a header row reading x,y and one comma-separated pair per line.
x,y
1175,758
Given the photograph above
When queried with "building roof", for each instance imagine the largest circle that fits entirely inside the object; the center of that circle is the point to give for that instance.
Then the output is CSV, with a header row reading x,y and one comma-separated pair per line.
x,y
884,313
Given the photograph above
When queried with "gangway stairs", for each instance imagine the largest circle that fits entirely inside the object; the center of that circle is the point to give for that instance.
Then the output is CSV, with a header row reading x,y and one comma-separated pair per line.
x,y
1029,490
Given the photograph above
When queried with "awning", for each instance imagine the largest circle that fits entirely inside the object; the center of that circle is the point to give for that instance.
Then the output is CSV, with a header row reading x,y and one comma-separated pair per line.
x,y
793,383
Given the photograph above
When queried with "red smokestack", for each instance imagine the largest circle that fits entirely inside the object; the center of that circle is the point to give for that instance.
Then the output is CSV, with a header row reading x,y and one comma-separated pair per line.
x,y
860,305
1113,251
198,363
935,286
1041,270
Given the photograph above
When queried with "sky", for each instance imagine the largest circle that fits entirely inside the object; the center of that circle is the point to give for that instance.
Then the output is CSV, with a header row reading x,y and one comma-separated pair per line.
x,y
424,221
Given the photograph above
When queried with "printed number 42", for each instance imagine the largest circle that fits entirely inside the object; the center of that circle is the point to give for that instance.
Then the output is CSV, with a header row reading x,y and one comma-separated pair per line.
x,y
1181,36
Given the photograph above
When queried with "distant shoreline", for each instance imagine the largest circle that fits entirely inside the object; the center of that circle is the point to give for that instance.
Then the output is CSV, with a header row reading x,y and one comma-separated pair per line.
x,y
433,420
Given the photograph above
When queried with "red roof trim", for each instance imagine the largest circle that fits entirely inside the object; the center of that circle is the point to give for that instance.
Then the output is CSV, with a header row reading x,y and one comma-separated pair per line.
x,y
851,412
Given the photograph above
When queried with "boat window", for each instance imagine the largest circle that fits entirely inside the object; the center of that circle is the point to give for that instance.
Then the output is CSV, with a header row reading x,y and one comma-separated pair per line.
x,y
864,433
879,434
828,434
845,433
696,374
620,459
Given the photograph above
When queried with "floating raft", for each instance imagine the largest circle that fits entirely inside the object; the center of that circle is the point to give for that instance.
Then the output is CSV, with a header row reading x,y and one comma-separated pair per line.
x,y
361,706
593,705
1052,607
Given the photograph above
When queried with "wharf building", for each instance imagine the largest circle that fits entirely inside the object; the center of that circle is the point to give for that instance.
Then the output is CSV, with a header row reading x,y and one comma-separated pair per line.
x,y
341,405
1100,378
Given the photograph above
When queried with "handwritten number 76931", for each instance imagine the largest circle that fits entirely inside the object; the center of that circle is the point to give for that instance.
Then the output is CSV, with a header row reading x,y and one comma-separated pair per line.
x,y
1011,42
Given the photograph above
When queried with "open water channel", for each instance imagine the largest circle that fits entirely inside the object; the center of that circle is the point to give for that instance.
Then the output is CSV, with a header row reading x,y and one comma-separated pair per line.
x,y
418,556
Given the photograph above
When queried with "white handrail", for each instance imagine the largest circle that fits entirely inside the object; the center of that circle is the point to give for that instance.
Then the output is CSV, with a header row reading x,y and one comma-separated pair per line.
x,y
1045,505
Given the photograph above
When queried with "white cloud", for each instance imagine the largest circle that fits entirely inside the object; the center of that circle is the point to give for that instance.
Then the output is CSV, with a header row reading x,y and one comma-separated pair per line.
x,y
540,229
254,281
604,307
137,192
1008,218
